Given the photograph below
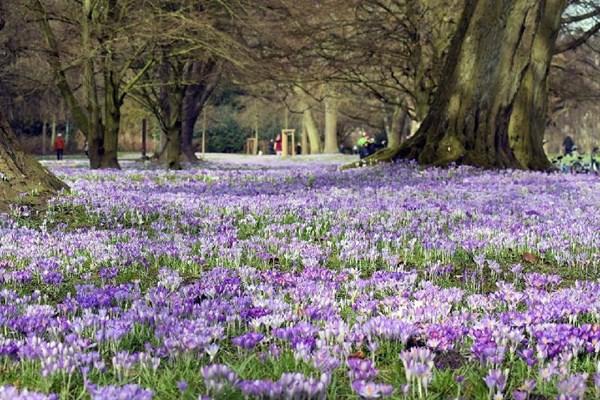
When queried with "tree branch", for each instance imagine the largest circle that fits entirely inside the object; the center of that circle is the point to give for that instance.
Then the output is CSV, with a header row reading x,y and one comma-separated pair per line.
x,y
581,17
576,42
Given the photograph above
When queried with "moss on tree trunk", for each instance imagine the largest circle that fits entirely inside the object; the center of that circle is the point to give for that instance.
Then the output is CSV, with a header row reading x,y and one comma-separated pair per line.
x,y
22,177
490,107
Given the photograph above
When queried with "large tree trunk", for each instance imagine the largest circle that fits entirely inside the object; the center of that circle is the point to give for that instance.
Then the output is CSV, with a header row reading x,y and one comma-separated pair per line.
x,y
20,173
331,142
398,127
490,106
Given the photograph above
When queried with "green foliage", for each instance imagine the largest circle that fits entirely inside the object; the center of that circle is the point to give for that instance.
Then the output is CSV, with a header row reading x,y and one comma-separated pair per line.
x,y
227,136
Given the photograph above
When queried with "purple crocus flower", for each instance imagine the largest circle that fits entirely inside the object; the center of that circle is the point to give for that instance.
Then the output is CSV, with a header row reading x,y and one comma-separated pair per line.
x,y
248,340
572,387
372,390
496,379
361,369
126,392
12,393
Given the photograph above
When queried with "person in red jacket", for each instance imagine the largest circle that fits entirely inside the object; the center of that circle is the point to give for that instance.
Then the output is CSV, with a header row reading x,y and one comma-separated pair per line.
x,y
59,146
278,145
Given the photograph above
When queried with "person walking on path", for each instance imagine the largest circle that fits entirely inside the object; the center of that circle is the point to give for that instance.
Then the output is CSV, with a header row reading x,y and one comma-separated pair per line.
x,y
59,146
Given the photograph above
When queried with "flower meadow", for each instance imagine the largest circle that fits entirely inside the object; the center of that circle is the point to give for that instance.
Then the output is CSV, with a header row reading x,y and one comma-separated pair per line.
x,y
293,280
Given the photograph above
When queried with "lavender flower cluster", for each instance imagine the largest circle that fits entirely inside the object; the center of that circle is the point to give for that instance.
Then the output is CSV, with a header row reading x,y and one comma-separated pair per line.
x,y
303,282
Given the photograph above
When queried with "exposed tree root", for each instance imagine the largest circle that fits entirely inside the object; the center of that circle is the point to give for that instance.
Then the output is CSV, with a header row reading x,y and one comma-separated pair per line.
x,y
386,155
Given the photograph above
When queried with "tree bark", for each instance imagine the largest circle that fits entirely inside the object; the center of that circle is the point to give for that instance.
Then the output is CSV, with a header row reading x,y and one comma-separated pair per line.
x,y
206,75
489,109
44,137
184,91
314,141
190,112
102,135
170,117
53,133
112,117
397,128
331,142
92,122
304,140
173,146
20,173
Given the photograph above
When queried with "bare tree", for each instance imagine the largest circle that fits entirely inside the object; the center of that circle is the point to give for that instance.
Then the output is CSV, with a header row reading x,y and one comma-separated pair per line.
x,y
191,58
107,36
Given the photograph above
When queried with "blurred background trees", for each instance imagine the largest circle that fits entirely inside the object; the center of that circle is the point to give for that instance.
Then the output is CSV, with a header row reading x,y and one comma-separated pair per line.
x,y
94,69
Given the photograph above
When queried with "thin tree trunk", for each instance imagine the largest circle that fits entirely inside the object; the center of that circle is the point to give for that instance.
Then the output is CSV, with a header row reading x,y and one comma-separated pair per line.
x,y
490,106
112,116
44,137
78,113
331,142
93,125
207,75
111,141
314,140
171,103
53,134
67,133
162,145
190,112
304,140
173,147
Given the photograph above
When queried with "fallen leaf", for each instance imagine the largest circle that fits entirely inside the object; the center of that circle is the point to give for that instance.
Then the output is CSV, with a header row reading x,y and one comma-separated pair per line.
x,y
357,354
530,258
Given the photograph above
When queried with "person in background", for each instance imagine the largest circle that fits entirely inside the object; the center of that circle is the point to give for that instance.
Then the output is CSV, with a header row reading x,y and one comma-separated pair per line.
x,y
59,146
568,145
271,150
362,145
86,149
371,145
278,145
